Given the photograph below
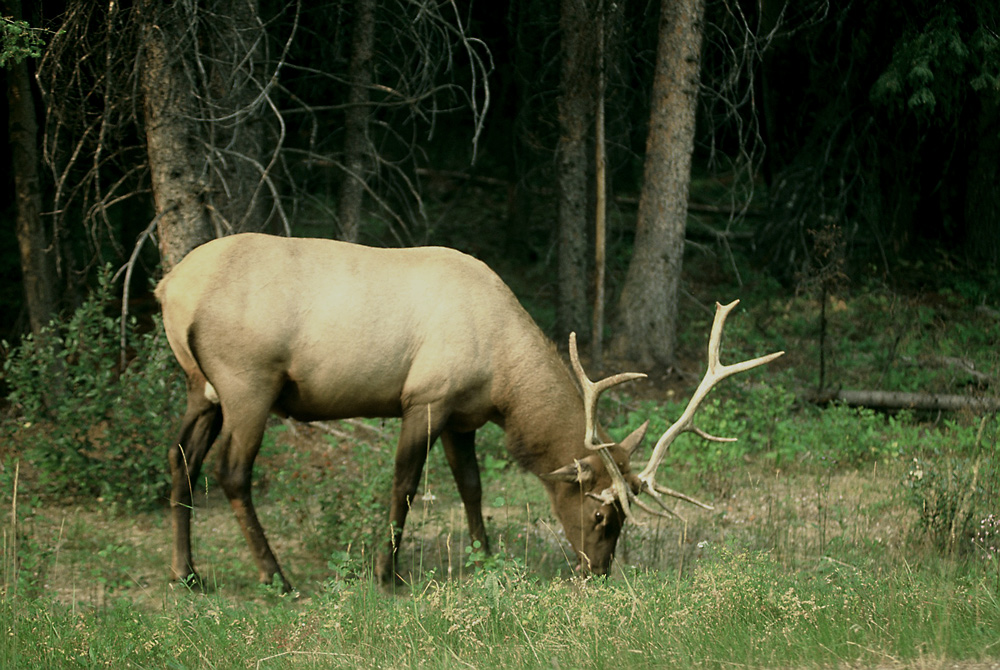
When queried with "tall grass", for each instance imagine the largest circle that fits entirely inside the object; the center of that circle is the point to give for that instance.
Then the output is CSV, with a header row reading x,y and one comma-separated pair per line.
x,y
736,608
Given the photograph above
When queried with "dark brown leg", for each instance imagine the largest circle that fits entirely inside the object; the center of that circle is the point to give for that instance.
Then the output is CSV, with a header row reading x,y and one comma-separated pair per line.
x,y
200,427
238,447
460,449
415,440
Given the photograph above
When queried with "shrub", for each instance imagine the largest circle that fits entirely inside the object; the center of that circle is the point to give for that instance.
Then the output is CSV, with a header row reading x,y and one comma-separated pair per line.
x,y
953,496
82,426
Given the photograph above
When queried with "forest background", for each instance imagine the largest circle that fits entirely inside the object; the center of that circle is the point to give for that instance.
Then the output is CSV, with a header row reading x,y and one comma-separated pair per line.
x,y
860,136
621,165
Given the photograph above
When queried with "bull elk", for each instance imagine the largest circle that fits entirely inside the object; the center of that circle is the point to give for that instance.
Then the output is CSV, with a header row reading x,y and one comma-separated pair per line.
x,y
320,329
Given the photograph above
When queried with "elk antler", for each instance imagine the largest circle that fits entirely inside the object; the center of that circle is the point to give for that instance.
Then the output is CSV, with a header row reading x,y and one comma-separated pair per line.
x,y
715,373
619,490
593,390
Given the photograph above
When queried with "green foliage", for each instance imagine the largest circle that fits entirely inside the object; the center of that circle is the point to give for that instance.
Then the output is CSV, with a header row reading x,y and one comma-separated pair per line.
x,y
353,514
934,69
953,496
849,436
18,41
954,487
82,425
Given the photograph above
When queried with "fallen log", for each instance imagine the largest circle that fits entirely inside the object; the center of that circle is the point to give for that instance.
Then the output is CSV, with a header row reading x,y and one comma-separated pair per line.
x,y
900,400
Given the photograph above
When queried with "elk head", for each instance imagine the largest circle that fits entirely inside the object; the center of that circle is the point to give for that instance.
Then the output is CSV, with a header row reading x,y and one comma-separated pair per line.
x,y
605,479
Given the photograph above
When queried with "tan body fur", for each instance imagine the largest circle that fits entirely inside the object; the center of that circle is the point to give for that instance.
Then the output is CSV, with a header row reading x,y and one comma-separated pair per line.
x,y
319,329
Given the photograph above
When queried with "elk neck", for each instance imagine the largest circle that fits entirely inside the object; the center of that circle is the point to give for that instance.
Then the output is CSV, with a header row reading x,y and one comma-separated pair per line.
x,y
541,407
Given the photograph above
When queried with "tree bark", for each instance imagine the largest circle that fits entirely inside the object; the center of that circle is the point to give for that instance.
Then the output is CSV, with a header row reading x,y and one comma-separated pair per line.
x,y
175,150
575,110
600,211
23,133
356,149
647,308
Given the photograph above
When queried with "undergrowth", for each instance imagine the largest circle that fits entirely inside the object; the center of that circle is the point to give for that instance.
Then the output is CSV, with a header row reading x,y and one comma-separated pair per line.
x,y
80,424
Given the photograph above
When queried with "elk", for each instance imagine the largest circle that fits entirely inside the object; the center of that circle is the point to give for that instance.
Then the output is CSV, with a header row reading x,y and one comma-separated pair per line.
x,y
320,329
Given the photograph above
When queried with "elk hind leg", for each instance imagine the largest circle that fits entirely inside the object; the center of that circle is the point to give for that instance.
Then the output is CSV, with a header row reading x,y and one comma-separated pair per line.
x,y
201,426
238,447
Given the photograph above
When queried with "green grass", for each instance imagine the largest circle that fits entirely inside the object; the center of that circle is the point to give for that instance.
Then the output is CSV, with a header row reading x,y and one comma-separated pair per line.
x,y
735,608
810,567
839,537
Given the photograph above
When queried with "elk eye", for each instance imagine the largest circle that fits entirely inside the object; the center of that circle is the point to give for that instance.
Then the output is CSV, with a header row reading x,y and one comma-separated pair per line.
x,y
598,517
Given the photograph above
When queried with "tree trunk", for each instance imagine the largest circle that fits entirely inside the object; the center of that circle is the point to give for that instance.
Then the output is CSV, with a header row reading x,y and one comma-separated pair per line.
x,y
647,309
575,109
356,149
175,150
23,133
933,402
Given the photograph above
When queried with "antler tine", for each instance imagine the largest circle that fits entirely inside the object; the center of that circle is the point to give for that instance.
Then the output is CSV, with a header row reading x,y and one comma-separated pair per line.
x,y
608,496
716,372
660,488
619,489
592,392
664,511
711,438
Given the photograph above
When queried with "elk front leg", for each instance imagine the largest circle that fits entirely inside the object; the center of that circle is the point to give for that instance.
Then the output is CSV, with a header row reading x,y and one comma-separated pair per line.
x,y
460,450
202,423
417,434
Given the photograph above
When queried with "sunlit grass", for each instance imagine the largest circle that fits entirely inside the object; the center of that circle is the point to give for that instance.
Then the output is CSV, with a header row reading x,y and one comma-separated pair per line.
x,y
736,607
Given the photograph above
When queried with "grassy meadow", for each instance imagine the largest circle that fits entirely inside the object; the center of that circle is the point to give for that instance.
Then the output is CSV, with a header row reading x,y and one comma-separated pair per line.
x,y
840,537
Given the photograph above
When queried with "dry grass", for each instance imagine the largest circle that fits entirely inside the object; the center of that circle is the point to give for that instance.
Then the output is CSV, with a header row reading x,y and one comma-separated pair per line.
x,y
810,567
91,551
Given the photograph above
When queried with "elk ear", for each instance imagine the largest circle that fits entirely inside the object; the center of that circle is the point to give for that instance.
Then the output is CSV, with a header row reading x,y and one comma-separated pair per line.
x,y
577,472
632,442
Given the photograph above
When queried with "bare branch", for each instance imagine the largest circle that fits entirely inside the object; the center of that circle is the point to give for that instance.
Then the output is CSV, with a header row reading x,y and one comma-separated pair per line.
x,y
252,115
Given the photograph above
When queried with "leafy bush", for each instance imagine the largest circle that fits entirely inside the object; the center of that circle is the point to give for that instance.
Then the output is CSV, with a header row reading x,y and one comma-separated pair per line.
x,y
82,426
953,495
955,484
